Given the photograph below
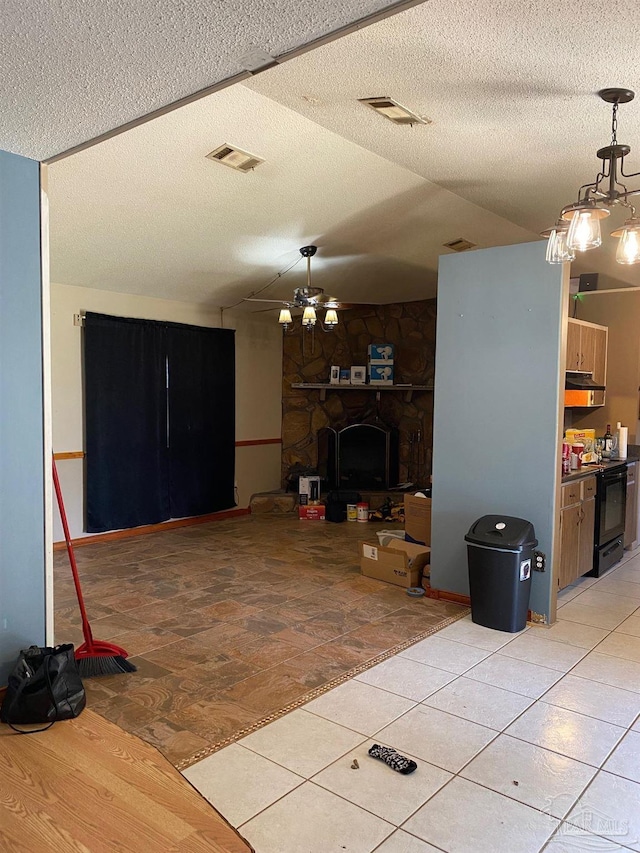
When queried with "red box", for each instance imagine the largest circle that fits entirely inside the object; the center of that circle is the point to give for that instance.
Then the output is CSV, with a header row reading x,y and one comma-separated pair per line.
x,y
311,513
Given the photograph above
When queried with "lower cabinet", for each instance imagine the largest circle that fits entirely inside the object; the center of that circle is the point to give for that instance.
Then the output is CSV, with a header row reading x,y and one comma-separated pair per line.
x,y
577,529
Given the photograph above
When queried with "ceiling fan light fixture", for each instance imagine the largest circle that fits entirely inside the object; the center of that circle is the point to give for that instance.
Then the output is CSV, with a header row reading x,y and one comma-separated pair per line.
x,y
595,199
285,317
331,318
309,318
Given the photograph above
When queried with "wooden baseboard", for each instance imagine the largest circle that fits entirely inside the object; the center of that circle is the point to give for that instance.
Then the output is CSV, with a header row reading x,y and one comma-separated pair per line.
x,y
153,528
443,595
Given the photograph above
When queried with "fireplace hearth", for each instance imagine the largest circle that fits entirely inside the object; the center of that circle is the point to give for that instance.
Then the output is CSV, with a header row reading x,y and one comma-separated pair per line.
x,y
360,456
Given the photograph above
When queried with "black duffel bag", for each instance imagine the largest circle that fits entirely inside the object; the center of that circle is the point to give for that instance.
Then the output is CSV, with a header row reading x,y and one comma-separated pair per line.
x,y
44,686
336,504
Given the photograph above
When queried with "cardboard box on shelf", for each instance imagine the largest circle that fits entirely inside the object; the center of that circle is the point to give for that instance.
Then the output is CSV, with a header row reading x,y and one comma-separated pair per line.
x,y
400,563
381,374
358,375
381,353
308,490
311,513
417,519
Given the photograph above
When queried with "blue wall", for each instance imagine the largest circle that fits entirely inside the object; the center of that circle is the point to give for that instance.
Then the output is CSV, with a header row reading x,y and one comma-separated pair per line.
x,y
496,405
22,537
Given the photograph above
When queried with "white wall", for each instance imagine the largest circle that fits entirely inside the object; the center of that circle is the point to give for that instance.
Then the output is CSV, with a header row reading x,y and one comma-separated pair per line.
x,y
258,386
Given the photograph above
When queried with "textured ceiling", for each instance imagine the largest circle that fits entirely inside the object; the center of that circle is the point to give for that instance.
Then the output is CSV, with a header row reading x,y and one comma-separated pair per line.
x,y
146,212
510,87
73,69
515,126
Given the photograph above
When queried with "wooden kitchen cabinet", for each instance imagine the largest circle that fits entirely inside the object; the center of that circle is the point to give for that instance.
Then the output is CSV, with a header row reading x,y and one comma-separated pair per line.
x,y
631,517
587,348
577,529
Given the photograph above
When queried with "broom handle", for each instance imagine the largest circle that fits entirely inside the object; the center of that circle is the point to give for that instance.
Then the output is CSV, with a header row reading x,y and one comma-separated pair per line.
x,y
86,628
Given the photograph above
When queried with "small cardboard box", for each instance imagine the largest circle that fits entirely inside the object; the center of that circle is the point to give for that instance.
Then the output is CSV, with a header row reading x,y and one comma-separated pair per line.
x,y
417,519
381,374
311,513
381,353
308,490
358,375
400,563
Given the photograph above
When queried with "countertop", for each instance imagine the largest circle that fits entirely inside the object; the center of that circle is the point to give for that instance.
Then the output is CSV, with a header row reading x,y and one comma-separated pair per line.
x,y
588,470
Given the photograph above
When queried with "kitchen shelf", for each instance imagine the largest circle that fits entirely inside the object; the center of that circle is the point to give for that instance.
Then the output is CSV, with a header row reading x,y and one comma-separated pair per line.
x,y
323,387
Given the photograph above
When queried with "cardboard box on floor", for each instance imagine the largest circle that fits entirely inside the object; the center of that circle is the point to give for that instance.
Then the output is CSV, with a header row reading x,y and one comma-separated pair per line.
x,y
400,563
417,519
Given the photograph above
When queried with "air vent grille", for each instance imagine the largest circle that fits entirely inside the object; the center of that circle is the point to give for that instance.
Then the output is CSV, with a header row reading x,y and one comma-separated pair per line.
x,y
235,158
460,245
394,111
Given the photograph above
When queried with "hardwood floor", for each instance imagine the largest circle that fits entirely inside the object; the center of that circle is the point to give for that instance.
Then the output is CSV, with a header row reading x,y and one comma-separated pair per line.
x,y
86,786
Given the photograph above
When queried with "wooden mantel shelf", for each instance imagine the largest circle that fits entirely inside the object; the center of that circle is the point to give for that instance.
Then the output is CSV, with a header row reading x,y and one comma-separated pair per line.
x,y
323,387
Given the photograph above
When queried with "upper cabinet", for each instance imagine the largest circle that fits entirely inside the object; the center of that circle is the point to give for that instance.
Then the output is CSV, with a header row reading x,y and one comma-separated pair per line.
x,y
587,349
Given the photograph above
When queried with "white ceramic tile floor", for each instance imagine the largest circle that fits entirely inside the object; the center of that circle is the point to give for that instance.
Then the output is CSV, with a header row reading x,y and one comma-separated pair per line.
x,y
467,818
630,626
601,701
625,759
481,703
359,706
567,732
406,678
445,654
239,783
290,786
393,797
535,648
402,842
609,807
534,776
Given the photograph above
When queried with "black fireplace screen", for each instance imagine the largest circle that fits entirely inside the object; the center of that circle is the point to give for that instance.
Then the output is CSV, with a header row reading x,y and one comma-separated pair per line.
x,y
361,456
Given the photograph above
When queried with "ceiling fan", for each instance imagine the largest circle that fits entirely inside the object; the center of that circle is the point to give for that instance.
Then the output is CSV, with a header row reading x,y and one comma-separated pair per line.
x,y
308,298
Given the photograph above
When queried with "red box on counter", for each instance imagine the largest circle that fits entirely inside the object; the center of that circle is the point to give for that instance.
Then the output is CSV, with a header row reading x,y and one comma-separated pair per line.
x,y
311,513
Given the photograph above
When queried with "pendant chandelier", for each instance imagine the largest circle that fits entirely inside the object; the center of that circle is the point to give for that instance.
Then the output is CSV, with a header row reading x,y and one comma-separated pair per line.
x,y
578,228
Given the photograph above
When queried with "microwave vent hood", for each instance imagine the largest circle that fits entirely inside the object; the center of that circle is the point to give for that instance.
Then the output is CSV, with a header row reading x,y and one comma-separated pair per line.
x,y
575,381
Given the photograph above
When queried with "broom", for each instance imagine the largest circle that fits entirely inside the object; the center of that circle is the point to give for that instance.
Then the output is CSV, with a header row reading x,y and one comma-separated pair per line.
x,y
94,657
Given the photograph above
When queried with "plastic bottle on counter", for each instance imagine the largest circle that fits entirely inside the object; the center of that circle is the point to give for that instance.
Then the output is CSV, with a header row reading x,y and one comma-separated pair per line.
x,y
623,438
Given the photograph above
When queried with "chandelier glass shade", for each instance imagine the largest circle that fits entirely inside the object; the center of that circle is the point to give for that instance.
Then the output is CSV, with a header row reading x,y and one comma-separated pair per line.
x,y
558,250
579,226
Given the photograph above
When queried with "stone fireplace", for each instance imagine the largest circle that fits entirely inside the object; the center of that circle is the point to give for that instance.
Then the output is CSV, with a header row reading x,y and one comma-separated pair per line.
x,y
411,327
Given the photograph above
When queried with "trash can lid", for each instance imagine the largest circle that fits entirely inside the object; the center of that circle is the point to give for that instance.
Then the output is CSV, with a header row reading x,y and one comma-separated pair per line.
x,y
502,531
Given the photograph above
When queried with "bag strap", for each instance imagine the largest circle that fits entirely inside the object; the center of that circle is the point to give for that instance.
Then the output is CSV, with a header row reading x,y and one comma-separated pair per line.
x,y
47,673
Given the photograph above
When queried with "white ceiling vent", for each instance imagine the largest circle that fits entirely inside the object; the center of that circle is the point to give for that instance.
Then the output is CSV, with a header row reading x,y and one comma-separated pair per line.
x,y
460,245
394,111
235,158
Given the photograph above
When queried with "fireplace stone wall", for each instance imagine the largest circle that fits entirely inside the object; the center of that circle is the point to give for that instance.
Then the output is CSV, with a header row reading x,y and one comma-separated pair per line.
x,y
411,326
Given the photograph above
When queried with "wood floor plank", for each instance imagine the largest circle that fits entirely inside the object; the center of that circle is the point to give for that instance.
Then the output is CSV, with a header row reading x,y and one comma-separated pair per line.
x,y
86,786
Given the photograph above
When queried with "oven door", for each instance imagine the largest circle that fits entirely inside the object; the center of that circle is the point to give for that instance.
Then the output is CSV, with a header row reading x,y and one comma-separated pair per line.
x,y
611,504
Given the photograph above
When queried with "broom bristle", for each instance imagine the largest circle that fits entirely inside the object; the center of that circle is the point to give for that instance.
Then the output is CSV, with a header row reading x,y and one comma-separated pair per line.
x,y
91,667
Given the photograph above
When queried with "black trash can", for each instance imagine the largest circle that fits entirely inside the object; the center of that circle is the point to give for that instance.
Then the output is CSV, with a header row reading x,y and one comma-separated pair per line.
x,y
500,549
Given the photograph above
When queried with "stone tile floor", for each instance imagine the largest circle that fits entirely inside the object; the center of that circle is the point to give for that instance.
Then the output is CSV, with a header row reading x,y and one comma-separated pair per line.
x,y
229,622
524,743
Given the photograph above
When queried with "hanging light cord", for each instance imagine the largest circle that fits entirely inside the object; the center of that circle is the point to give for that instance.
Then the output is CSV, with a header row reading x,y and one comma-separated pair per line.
x,y
262,289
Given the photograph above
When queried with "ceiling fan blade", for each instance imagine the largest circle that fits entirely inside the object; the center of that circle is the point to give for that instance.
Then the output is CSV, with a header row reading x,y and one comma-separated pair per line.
x,y
276,301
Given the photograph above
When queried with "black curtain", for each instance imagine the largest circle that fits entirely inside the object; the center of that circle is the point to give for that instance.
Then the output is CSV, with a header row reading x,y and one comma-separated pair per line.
x,y
201,419
125,423
159,421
